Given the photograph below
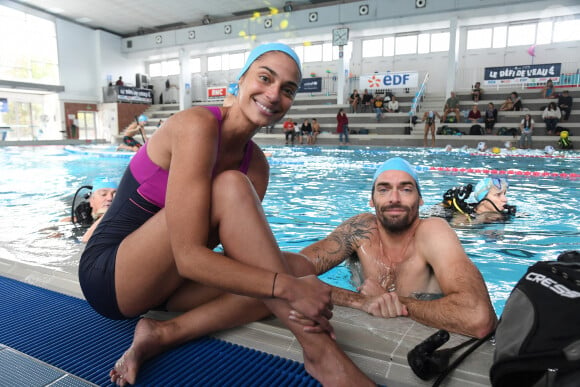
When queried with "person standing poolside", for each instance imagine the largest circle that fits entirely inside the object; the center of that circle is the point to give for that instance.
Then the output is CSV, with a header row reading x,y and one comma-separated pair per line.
x,y
196,183
342,127
430,126
526,130
411,267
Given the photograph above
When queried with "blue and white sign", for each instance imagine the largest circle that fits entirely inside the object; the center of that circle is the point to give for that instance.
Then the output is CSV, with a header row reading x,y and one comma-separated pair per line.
x,y
389,80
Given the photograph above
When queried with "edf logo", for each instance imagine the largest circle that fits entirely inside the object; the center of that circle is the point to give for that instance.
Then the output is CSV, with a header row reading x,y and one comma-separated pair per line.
x,y
396,79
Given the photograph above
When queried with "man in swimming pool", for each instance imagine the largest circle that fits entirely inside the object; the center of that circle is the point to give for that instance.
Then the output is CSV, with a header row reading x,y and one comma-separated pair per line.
x,y
412,267
102,193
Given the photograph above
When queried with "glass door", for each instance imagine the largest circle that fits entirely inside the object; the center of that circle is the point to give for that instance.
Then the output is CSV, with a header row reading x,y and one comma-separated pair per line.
x,y
87,125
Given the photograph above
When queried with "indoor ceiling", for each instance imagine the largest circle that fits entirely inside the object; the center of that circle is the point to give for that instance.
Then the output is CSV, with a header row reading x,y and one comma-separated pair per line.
x,y
137,17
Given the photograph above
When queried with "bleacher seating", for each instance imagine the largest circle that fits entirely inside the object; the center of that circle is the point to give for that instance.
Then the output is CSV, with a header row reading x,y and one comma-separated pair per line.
x,y
392,128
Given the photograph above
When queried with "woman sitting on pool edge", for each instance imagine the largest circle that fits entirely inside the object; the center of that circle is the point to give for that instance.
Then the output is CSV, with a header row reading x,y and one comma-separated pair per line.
x,y
490,203
198,183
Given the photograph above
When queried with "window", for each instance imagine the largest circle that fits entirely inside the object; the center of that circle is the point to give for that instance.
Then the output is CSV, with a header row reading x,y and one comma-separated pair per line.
x,y
440,41
214,63
521,35
31,42
195,65
406,44
372,48
544,33
479,38
424,43
236,61
165,68
566,30
313,53
389,46
328,52
499,37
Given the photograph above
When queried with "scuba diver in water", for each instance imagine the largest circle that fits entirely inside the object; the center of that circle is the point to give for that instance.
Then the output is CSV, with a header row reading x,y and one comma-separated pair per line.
x,y
87,213
490,203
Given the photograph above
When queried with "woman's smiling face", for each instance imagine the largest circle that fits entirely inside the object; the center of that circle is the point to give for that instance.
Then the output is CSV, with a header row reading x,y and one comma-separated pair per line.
x,y
267,89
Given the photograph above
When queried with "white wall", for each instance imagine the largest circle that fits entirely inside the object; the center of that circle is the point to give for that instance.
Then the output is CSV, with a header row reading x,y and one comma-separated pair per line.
x,y
77,59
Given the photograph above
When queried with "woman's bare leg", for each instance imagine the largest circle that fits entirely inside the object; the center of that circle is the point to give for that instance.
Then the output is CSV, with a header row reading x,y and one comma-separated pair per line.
x,y
148,250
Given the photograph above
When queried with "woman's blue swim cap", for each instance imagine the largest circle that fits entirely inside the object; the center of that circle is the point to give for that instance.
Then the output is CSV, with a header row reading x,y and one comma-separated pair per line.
x,y
484,185
258,52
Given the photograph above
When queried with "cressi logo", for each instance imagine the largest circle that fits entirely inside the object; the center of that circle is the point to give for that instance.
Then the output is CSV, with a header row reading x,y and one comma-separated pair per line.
x,y
551,284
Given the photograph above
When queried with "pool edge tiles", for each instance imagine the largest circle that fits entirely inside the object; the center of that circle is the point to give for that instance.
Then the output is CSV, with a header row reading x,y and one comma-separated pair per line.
x,y
18,369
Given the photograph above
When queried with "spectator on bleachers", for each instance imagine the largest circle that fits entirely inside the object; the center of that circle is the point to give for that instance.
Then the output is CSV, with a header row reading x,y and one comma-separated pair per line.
x,y
551,116
342,127
288,128
315,130
393,105
366,101
548,90
476,92
354,101
526,130
517,101
507,105
378,105
474,115
306,131
490,118
565,105
452,105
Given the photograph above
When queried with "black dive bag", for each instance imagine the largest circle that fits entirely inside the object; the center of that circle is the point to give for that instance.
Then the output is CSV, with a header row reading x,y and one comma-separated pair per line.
x,y
538,336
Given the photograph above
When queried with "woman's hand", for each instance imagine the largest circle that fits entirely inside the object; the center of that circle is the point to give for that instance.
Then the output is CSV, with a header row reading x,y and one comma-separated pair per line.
x,y
311,302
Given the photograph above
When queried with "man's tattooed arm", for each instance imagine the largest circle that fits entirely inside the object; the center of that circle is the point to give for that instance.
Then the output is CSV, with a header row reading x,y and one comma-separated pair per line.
x,y
342,244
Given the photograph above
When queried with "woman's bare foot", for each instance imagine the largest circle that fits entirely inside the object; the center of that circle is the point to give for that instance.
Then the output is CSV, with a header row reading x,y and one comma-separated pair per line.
x,y
332,367
145,345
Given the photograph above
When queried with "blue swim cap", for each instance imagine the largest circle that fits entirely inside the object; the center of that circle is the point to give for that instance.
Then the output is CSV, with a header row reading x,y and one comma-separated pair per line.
x,y
398,164
484,185
261,50
142,118
103,182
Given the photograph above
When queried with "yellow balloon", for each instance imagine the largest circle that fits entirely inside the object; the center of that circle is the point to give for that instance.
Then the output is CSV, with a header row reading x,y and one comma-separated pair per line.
x,y
284,24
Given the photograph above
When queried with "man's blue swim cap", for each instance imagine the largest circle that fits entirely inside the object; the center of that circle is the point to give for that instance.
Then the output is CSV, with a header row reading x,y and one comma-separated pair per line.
x,y
261,50
103,182
484,185
142,118
398,164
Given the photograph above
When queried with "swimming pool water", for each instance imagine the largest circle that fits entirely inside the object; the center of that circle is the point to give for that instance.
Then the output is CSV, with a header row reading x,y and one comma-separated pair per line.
x,y
311,191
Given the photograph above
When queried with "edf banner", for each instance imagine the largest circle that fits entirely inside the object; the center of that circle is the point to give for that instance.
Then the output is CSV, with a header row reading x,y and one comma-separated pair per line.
x,y
522,74
389,80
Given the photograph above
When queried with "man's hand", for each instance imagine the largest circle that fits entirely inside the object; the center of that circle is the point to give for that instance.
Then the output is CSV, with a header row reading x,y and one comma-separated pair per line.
x,y
386,305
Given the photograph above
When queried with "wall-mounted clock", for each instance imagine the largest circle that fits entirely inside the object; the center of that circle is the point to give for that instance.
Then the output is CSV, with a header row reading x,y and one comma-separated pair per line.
x,y
340,36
